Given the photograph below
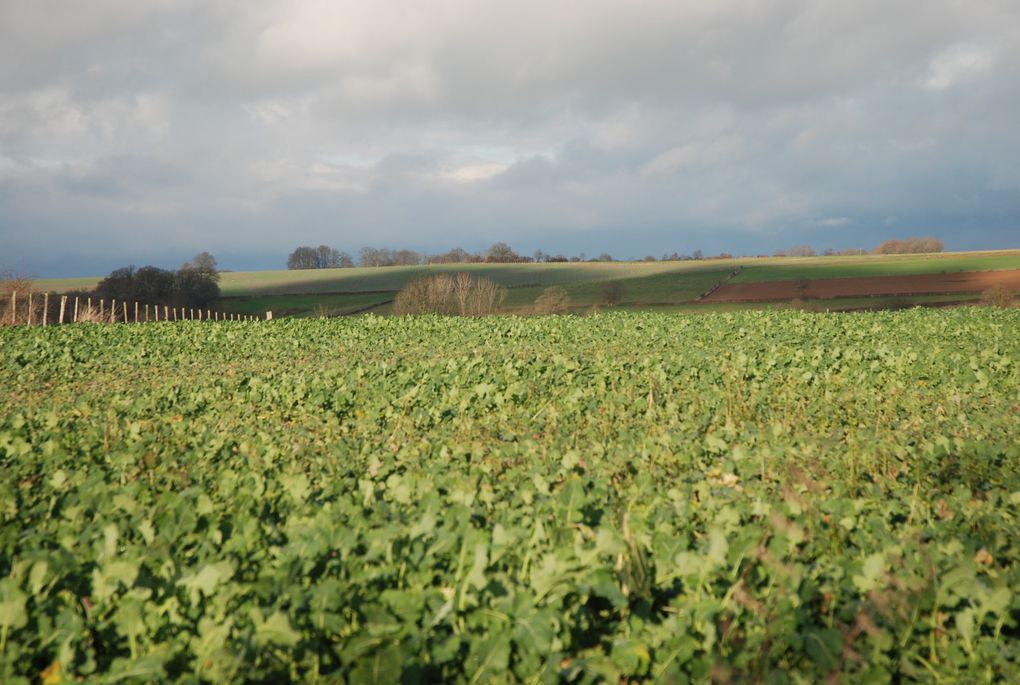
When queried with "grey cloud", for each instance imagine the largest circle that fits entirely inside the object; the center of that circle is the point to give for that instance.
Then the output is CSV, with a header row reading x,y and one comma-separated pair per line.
x,y
735,125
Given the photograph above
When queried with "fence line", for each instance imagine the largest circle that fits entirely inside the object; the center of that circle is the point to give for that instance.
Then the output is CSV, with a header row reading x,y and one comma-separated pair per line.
x,y
22,310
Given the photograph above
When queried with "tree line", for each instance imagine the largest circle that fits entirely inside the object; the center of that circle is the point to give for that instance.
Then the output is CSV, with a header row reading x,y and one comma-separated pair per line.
x,y
326,257
195,284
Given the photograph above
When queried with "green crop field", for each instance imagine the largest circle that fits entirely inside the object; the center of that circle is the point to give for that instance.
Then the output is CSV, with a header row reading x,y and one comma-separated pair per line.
x,y
774,497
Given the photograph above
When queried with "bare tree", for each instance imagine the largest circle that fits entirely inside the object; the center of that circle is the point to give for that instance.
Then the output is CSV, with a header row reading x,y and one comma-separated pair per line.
x,y
204,262
501,253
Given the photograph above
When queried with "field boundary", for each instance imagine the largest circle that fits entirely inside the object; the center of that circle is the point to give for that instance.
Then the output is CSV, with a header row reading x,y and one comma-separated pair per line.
x,y
44,309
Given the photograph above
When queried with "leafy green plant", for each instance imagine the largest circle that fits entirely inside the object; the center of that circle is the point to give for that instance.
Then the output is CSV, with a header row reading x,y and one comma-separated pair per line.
x,y
770,497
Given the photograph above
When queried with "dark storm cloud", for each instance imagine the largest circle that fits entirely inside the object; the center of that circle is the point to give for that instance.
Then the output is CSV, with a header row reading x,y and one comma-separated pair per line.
x,y
147,131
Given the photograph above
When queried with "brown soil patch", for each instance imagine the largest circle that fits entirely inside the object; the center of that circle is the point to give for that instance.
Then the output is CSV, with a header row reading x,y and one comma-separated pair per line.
x,y
923,284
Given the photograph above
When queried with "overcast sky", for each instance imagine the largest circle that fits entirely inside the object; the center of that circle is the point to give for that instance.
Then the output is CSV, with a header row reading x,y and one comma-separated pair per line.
x,y
144,131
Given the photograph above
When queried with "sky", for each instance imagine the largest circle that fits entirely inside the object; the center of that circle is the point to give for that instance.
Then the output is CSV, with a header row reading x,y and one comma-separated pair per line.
x,y
145,131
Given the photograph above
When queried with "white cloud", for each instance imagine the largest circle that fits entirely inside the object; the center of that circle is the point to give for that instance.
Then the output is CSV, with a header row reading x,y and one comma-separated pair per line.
x,y
474,172
957,64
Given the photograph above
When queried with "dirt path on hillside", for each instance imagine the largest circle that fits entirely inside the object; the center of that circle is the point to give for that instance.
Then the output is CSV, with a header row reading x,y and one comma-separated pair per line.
x,y
923,284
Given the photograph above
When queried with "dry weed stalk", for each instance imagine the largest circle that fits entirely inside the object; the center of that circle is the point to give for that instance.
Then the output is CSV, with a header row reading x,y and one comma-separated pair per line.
x,y
90,314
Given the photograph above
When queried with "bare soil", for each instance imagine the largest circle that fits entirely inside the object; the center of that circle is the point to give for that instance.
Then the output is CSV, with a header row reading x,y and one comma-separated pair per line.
x,y
923,284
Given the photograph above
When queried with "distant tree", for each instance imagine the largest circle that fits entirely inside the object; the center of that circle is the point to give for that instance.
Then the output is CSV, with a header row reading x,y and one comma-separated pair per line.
x,y
407,258
649,258
539,256
370,256
801,251
302,258
332,258
455,256
910,246
557,258
697,254
605,257
153,285
321,257
501,253
205,263
192,285
119,285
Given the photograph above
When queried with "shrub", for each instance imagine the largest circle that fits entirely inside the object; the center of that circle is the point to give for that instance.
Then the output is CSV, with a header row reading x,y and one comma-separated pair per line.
x,y
459,294
553,300
998,296
612,293
11,283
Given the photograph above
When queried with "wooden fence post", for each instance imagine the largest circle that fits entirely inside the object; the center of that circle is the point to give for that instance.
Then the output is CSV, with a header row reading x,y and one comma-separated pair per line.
x,y
136,312
125,311
146,312
63,304
75,309
113,310
30,305
46,308
14,306
269,316
102,309
166,312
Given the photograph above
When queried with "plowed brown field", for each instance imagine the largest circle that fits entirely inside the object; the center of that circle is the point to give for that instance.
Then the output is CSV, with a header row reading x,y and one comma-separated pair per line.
x,y
926,284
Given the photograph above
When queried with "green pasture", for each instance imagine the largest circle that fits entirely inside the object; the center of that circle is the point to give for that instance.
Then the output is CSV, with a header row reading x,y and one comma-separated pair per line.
x,y
306,305
818,268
